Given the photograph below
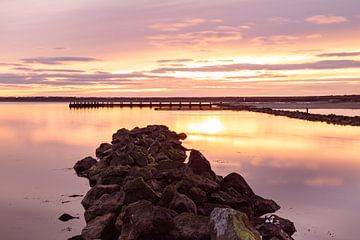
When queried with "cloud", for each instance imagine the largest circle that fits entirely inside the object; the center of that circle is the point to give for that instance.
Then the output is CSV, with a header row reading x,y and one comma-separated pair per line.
x,y
340,54
208,31
58,60
319,65
326,19
182,60
314,36
196,38
177,25
279,20
11,64
74,78
275,40
47,70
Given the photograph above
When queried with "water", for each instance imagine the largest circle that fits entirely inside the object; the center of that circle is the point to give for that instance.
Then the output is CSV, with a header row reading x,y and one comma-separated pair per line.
x,y
311,169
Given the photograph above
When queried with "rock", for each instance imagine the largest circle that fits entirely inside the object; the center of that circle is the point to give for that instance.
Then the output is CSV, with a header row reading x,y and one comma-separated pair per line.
x,y
142,189
263,206
181,203
77,237
169,164
139,156
101,227
67,217
175,154
137,189
237,182
229,224
193,192
182,136
200,165
83,165
274,225
103,150
96,192
143,220
112,175
191,227
107,203
121,159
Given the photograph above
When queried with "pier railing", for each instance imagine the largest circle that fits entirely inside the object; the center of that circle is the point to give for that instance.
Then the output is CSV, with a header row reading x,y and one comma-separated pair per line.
x,y
149,104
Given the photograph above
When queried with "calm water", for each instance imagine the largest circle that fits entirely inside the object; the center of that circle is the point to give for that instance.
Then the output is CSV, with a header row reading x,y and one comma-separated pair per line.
x,y
310,169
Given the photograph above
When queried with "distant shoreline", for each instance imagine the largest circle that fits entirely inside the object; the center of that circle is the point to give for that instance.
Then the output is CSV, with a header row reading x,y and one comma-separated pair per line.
x,y
331,99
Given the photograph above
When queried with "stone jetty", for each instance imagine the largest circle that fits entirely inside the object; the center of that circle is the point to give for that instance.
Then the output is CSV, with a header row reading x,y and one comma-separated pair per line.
x,y
146,185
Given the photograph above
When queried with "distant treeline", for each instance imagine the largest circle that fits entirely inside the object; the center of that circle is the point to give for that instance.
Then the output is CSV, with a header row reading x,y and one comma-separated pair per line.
x,y
335,98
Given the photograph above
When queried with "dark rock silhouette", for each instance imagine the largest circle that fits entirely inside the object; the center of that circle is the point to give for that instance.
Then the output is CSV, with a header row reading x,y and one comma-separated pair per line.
x,y
143,189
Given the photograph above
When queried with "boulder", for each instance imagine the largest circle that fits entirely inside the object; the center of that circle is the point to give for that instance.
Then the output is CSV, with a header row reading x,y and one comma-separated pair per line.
x,y
200,165
189,226
101,227
229,224
107,203
137,189
83,165
263,206
275,226
103,150
96,192
237,182
181,203
143,220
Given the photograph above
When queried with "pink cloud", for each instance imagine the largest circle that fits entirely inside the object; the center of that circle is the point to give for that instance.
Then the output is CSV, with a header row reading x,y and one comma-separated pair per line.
x,y
275,40
177,25
326,19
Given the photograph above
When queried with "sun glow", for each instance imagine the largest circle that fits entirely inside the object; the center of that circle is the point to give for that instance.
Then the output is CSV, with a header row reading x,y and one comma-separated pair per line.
x,y
211,125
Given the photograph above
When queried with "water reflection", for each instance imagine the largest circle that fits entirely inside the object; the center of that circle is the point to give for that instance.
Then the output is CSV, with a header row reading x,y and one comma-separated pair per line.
x,y
310,168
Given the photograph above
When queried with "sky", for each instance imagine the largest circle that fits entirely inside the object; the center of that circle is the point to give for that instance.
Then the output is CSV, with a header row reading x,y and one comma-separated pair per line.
x,y
179,47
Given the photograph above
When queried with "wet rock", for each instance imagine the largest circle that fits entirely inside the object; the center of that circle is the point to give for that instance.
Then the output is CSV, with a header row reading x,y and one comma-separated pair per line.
x,y
101,227
137,189
200,165
237,182
67,217
83,165
189,226
229,224
96,192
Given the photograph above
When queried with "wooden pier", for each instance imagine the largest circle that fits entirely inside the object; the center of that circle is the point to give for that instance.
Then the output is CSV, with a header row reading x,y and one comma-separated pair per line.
x,y
146,104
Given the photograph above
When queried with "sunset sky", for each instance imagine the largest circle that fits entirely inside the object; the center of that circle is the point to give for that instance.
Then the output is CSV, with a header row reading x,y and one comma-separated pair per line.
x,y
179,47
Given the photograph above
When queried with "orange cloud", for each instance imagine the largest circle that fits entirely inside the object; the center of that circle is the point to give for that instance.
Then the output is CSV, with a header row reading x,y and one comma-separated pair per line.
x,y
326,19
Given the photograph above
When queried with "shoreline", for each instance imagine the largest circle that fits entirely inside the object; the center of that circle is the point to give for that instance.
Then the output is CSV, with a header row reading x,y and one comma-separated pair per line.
x,y
329,118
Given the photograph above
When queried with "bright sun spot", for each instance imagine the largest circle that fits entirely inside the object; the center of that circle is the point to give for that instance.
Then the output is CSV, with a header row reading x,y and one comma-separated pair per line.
x,y
210,125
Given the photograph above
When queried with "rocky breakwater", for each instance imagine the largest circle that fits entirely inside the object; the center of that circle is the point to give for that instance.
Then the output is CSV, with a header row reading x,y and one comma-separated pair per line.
x,y
141,188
